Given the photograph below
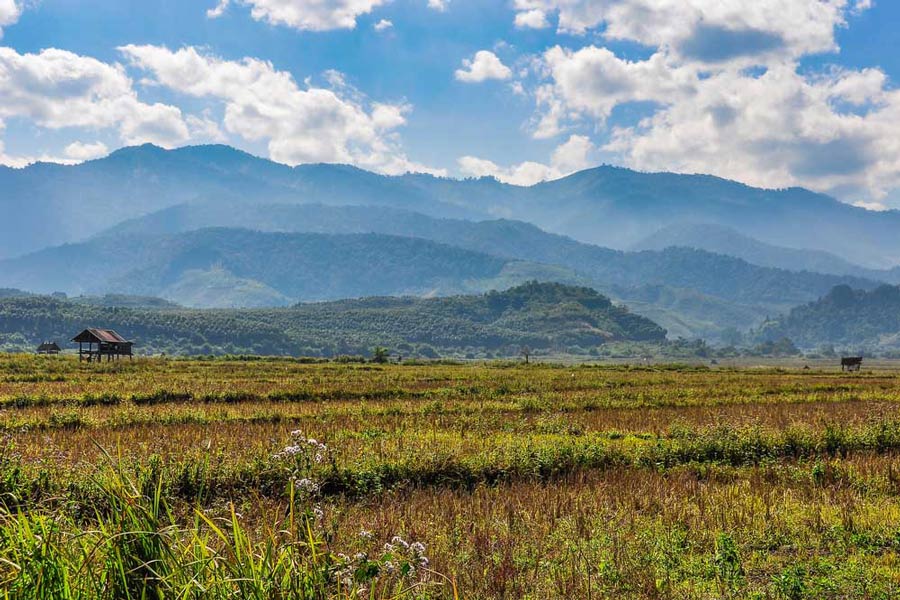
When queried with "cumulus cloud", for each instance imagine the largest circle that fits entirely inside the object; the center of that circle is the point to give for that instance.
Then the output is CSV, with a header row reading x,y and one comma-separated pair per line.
x,y
311,15
81,151
438,5
574,155
383,25
707,28
724,92
299,125
57,89
780,129
532,19
9,13
594,80
483,66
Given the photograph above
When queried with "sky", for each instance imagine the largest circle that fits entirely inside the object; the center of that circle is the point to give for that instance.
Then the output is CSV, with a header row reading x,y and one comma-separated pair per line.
x,y
772,93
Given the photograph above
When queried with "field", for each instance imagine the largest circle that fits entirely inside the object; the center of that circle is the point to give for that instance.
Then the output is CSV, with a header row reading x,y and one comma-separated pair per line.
x,y
280,479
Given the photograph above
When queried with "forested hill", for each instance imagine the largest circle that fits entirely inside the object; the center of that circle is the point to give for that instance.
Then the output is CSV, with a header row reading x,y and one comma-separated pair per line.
x,y
845,318
236,268
725,277
47,205
544,316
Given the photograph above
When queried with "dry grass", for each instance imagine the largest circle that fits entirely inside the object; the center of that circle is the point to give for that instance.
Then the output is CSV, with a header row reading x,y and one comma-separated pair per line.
x,y
538,482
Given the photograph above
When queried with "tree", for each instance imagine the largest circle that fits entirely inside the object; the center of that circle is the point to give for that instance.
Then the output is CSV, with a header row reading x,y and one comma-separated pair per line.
x,y
380,355
526,353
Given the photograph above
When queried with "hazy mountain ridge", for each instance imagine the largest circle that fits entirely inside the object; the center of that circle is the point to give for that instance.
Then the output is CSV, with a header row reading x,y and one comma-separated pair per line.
x,y
728,241
143,210
542,316
235,267
611,206
751,291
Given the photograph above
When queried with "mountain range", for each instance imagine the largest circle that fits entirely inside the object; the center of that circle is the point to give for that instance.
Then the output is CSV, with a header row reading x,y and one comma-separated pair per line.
x,y
290,253
729,241
50,204
211,226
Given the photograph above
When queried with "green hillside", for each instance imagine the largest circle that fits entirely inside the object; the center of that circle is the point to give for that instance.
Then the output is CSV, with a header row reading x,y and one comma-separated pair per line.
x,y
845,318
540,315
692,292
225,268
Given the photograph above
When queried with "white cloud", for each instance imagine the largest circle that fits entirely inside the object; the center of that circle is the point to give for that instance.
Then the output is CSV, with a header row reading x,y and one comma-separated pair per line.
x,y
532,19
300,125
80,151
860,6
438,5
383,25
311,15
707,30
875,206
218,10
780,129
593,80
483,66
573,155
9,13
204,128
58,89
707,110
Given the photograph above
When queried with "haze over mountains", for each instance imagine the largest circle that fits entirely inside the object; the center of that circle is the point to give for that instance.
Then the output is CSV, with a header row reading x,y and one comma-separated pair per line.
x,y
215,227
613,207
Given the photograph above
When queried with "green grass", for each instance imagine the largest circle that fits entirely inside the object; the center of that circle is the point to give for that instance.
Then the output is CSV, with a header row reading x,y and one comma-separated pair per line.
x,y
192,479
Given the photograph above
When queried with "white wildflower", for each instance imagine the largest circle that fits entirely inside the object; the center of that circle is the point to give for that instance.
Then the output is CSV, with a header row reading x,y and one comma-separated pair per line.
x,y
308,485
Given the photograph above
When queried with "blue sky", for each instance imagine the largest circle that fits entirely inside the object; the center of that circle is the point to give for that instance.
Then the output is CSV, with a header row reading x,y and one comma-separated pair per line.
x,y
771,93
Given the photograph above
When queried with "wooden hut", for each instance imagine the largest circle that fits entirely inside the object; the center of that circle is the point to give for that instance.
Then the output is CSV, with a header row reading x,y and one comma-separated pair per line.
x,y
94,344
48,348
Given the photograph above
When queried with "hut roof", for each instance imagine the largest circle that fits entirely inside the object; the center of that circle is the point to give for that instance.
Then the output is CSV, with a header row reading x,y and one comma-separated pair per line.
x,y
48,347
107,336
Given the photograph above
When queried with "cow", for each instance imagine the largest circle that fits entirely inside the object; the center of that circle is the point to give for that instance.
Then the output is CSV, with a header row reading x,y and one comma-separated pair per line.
x,y
851,363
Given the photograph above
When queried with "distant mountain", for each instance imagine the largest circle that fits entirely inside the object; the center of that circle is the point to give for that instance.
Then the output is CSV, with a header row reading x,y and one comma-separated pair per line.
x,y
619,207
241,268
47,205
541,316
845,317
696,278
728,241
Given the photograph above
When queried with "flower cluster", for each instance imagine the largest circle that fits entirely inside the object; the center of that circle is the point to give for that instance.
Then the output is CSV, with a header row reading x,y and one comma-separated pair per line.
x,y
304,447
402,562
300,458
405,557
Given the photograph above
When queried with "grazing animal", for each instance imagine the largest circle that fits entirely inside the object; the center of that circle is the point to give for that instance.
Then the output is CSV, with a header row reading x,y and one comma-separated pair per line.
x,y
851,363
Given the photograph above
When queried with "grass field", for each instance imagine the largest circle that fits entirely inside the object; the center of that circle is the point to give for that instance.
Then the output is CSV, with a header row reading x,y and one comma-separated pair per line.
x,y
277,479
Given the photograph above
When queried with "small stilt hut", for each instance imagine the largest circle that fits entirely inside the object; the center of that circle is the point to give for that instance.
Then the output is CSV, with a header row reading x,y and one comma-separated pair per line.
x,y
94,344
48,348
